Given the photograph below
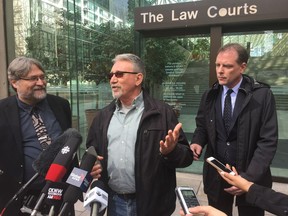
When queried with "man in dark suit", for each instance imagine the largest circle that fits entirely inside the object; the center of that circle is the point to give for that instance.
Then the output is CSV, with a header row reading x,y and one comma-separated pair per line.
x,y
19,145
250,141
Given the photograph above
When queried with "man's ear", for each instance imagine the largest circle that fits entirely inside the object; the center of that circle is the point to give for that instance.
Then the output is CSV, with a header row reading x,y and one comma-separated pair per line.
x,y
139,79
13,83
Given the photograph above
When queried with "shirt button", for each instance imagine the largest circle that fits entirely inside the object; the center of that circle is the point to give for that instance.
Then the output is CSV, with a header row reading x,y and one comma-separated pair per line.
x,y
20,182
1,172
228,143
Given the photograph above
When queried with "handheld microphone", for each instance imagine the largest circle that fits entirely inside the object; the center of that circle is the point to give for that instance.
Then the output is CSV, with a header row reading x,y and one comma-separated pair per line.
x,y
59,166
79,180
42,163
96,199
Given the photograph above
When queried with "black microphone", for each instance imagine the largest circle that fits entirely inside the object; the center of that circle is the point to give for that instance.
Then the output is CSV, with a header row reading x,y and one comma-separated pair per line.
x,y
42,163
46,158
79,180
96,199
55,196
59,166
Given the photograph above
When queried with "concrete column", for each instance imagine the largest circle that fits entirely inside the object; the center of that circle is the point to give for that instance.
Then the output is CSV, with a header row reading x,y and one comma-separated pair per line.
x,y
3,56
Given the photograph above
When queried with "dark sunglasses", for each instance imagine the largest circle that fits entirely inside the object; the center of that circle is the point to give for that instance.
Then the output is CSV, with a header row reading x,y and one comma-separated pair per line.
x,y
119,74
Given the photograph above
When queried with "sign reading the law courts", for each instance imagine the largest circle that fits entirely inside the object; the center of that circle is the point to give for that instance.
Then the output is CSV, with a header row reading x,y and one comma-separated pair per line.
x,y
207,12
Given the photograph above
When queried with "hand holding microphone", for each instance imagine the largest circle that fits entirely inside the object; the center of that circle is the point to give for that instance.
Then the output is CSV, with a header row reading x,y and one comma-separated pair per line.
x,y
97,168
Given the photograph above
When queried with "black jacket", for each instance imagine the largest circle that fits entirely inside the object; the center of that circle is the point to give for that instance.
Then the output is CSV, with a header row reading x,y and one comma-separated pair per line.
x,y
11,153
256,135
155,175
268,199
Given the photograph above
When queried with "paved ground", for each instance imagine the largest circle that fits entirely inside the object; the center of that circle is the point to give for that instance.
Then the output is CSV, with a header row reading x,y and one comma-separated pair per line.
x,y
192,180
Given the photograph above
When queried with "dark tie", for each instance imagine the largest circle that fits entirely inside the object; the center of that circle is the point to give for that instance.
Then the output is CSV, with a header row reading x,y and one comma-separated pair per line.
x,y
40,129
227,113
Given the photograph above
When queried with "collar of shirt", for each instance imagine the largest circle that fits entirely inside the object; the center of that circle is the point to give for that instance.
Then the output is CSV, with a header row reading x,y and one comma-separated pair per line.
x,y
137,102
235,88
233,94
28,108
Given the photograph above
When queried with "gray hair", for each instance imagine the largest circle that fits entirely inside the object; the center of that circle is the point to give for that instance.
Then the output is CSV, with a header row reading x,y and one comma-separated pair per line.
x,y
21,66
135,60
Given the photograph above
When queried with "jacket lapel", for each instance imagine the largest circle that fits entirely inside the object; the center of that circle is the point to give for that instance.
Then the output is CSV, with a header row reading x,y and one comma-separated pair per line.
x,y
13,120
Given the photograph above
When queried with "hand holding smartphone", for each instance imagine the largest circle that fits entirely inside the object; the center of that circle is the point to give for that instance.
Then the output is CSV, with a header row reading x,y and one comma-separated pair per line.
x,y
219,166
187,198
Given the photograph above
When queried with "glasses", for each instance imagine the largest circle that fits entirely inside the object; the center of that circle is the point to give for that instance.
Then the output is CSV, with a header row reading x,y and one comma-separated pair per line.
x,y
34,78
119,74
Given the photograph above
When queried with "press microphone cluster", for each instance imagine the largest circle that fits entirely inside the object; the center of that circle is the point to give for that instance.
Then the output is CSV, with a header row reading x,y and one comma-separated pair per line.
x,y
79,180
43,162
96,200
59,166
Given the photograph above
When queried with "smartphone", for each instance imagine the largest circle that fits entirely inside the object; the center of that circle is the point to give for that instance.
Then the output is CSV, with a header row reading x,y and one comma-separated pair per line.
x,y
187,198
218,165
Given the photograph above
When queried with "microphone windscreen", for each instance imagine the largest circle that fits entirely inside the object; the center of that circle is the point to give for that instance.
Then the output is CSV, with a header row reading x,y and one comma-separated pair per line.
x,y
64,157
45,159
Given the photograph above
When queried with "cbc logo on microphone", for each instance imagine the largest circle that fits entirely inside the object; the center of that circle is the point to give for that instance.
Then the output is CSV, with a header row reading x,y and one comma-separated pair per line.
x,y
65,150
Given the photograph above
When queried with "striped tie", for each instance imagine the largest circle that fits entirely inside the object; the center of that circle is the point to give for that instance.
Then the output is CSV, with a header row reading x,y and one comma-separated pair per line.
x,y
40,129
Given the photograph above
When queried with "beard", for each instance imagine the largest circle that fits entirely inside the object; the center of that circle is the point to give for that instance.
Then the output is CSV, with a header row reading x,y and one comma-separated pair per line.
x,y
118,94
35,95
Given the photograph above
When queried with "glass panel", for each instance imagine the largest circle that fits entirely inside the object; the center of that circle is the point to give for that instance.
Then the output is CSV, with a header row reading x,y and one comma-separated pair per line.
x,y
75,40
268,63
178,73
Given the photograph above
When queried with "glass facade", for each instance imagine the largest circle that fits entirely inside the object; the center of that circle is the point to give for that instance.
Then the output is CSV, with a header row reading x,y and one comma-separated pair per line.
x,y
76,40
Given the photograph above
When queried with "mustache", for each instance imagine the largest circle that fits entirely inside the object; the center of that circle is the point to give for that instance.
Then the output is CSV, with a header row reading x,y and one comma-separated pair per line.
x,y
39,88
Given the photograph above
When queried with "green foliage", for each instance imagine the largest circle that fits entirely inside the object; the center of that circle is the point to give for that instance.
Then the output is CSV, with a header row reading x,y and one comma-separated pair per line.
x,y
159,52
111,40
108,41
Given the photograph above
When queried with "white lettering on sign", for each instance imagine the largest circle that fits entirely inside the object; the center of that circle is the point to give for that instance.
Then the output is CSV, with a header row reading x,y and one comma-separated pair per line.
x,y
213,11
184,15
151,18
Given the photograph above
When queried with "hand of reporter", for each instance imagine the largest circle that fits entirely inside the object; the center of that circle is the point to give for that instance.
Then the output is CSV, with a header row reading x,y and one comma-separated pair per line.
x,y
236,180
204,211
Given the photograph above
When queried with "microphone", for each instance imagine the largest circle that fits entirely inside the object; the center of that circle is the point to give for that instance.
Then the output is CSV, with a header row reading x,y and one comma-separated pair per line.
x,y
46,158
96,199
55,196
59,166
79,180
43,162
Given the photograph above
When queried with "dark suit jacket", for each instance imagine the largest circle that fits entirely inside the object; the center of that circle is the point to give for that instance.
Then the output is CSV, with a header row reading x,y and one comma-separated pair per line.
x,y
11,153
255,125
